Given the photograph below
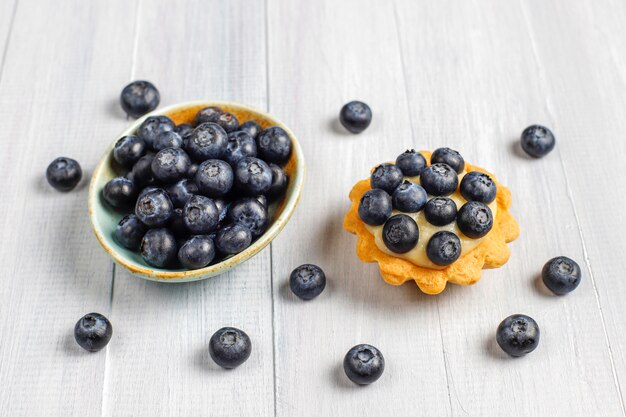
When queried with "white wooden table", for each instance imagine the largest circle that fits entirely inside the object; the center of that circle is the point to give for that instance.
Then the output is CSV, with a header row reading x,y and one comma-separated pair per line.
x,y
469,75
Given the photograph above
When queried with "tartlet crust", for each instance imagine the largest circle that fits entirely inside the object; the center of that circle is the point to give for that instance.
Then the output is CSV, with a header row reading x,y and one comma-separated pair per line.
x,y
492,252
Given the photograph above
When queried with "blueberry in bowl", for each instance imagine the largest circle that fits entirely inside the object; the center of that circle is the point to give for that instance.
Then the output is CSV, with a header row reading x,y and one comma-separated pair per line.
x,y
188,210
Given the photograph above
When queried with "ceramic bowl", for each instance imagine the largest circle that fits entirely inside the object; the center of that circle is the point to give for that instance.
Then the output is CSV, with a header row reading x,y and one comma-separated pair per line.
x,y
104,218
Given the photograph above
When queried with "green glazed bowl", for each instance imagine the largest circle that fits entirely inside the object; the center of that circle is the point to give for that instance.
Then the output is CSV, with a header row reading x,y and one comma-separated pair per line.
x,y
104,218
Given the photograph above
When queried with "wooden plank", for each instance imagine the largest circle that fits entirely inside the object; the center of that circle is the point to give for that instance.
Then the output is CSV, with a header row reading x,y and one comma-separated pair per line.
x,y
475,82
56,95
323,54
160,363
584,66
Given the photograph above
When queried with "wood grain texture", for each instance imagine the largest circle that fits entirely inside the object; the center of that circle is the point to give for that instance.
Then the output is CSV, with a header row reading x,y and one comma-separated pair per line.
x,y
211,51
55,99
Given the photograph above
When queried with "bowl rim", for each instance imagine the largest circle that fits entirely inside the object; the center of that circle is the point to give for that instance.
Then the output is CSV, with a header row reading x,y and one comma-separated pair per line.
x,y
290,203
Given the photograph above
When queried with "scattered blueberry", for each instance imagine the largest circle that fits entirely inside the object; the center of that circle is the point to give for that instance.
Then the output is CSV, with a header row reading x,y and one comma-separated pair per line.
x,y
439,179
169,139
197,252
93,332
141,173
440,211
355,116
158,248
443,248
363,364
409,197
214,178
253,176
181,192
201,215
537,141
128,150
64,174
240,145
251,127
233,238
477,186
274,145
375,207
230,347
400,233
250,213
307,281
139,98
411,163
207,141
386,177
228,121
154,207
170,165
561,275
184,130
153,126
474,219
280,180
208,115
518,335
130,231
449,157
120,192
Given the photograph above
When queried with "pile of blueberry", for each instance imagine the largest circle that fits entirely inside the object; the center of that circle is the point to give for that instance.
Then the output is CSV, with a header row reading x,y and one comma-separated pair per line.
x,y
197,192
438,180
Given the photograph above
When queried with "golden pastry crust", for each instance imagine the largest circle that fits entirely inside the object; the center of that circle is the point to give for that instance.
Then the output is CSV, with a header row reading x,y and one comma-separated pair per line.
x,y
492,252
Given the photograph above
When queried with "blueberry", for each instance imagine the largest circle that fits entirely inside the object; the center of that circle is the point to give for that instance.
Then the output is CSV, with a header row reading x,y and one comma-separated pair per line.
x,y
184,130
158,248
474,219
176,223
222,208
153,126
355,116
251,127
170,165
214,178
208,115
207,141
274,145
228,121
443,248
201,215
181,192
375,207
280,181
537,141
193,169
139,98
141,173
197,252
439,179
518,335
363,364
233,238
440,211
409,197
263,200
230,347
93,332
253,176
400,233
307,281
386,177
477,186
240,145
130,231
251,214
449,157
128,150
64,174
169,139
561,275
411,163
154,207
120,192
